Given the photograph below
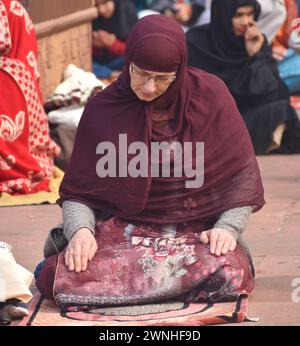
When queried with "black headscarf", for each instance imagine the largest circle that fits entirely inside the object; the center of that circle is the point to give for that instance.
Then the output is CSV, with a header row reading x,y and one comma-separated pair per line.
x,y
215,48
122,21
216,42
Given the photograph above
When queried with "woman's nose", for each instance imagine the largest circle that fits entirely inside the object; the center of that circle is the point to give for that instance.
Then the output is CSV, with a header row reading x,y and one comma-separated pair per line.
x,y
245,21
150,85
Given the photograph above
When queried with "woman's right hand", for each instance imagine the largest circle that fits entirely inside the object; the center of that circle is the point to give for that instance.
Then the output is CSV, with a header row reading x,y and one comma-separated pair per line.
x,y
81,249
221,241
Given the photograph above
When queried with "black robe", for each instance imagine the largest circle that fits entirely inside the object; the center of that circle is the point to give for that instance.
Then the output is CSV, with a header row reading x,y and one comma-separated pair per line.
x,y
254,82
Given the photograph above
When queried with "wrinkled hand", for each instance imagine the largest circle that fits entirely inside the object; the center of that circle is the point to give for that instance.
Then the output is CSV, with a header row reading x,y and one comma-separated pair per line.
x,y
184,12
103,39
221,241
279,53
254,39
81,250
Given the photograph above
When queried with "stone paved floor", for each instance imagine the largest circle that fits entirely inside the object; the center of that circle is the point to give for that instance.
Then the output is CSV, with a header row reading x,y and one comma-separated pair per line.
x,y
273,234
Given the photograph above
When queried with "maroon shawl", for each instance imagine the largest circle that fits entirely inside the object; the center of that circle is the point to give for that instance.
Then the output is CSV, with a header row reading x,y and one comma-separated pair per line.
x,y
199,108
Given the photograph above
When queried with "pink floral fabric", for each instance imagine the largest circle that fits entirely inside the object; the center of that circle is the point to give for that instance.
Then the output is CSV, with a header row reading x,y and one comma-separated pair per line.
x,y
144,264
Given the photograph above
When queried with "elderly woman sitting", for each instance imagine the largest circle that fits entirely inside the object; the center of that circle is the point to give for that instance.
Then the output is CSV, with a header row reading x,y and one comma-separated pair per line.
x,y
138,227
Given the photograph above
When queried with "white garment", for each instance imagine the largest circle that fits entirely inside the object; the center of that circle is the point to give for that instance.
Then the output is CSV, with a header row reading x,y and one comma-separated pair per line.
x,y
272,17
77,83
205,16
14,279
67,116
67,120
145,13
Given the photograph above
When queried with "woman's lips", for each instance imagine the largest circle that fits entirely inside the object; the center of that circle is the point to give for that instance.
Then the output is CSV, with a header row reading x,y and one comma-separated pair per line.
x,y
146,95
242,30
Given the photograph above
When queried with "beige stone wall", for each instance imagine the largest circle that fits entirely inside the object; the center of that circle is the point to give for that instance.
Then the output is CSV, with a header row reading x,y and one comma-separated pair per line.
x,y
43,10
63,30
72,46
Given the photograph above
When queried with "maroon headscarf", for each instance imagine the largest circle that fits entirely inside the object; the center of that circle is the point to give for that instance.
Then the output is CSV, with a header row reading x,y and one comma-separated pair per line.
x,y
200,109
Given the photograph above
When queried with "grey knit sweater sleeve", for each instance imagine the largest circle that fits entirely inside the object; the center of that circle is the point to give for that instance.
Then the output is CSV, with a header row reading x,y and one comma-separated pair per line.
x,y
76,216
234,220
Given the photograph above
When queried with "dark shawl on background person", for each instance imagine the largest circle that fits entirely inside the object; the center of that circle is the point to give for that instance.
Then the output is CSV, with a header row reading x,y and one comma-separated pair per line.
x,y
253,81
200,109
216,49
122,21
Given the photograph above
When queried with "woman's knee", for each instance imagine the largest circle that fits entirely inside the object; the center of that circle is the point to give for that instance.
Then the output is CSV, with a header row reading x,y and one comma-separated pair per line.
x,y
45,275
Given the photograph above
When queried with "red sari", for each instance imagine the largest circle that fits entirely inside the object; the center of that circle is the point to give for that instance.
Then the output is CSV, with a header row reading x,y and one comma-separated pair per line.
x,y
26,149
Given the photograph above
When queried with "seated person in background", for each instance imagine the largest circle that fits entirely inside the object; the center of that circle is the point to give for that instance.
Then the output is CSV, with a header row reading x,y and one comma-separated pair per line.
x,y
186,13
271,18
110,31
26,149
163,238
233,48
288,59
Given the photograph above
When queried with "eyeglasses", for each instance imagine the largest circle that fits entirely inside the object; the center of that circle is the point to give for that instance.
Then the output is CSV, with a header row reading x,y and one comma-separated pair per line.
x,y
143,77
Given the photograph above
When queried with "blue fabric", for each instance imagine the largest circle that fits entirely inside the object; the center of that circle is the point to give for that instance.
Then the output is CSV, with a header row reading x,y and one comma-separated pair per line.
x,y
14,302
289,69
116,64
38,269
105,71
101,71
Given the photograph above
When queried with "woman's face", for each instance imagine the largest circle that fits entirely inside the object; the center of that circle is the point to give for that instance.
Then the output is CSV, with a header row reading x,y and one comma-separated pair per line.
x,y
242,19
149,85
106,8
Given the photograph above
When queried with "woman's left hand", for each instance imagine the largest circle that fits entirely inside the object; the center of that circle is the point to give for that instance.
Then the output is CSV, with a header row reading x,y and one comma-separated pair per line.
x,y
221,241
